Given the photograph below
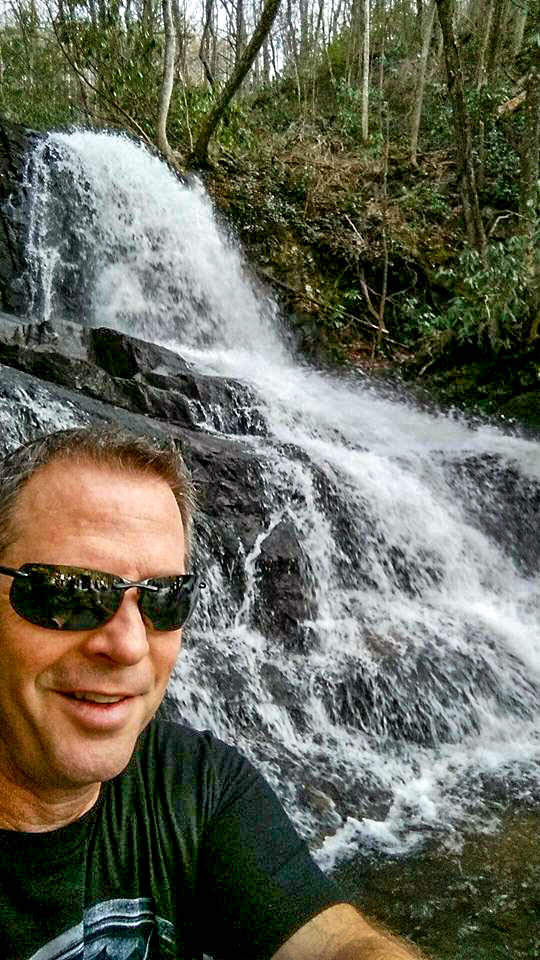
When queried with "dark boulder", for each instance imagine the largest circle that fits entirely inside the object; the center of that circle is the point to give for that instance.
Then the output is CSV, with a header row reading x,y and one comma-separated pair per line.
x,y
126,357
129,373
284,605
14,146
502,503
68,338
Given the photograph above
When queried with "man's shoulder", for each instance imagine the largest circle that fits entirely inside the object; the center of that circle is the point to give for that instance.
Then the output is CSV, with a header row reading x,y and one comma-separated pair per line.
x,y
178,771
176,753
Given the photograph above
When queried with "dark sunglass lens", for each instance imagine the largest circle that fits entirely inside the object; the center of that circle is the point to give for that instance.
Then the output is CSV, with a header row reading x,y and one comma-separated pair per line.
x,y
64,598
170,606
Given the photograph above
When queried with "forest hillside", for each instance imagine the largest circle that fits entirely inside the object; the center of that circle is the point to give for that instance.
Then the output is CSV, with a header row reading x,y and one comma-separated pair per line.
x,y
379,159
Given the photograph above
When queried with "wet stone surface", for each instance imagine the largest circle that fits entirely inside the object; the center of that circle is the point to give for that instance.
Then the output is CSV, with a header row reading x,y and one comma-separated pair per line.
x,y
482,903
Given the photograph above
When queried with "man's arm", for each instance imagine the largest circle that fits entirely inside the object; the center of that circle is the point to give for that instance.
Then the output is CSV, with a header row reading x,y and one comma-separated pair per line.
x,y
342,933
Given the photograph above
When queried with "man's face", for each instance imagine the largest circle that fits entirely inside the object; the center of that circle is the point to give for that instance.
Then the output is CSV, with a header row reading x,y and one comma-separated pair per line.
x,y
94,517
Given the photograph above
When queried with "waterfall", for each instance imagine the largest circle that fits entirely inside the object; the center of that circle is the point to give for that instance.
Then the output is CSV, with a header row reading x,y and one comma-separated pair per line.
x,y
402,701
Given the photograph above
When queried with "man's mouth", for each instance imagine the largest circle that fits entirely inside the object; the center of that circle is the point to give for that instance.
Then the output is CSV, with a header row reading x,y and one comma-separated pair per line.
x,y
97,697
92,697
99,712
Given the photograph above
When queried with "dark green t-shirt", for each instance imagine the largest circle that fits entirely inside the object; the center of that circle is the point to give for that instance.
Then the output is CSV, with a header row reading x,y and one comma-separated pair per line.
x,y
188,851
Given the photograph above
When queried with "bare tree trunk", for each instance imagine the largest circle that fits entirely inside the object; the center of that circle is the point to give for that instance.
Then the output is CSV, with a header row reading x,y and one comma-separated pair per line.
x,y
421,81
293,47
304,34
462,127
93,14
484,25
385,138
353,49
203,46
257,69
420,15
180,31
147,14
520,19
365,75
240,32
383,106
128,18
319,27
496,37
485,17
273,52
266,61
439,41
529,197
27,38
199,156
407,30
335,22
214,62
530,147
169,55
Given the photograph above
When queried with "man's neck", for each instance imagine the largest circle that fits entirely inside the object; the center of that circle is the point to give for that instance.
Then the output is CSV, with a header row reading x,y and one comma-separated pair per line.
x,y
31,810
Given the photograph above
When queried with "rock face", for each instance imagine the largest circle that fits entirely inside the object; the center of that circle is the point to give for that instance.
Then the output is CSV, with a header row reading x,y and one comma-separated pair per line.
x,y
126,372
15,142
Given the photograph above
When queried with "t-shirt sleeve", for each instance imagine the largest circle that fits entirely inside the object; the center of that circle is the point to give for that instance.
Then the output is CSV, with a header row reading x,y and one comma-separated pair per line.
x,y
257,881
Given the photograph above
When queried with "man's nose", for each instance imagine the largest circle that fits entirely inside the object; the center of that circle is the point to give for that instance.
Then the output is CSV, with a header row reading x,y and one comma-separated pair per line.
x,y
122,639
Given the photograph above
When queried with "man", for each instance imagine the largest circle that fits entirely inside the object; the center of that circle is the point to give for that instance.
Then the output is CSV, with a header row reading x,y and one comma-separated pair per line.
x,y
123,837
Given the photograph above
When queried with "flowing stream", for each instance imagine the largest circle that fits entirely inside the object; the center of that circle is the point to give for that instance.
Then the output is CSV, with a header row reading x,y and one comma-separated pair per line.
x,y
411,705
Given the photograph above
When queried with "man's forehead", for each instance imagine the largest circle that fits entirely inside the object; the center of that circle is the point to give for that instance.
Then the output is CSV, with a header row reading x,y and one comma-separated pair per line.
x,y
80,490
78,473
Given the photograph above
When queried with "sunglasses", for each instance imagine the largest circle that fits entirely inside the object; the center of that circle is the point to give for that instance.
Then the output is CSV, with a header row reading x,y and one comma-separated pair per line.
x,y
73,598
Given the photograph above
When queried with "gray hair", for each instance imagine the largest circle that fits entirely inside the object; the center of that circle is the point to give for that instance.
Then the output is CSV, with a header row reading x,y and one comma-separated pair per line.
x,y
103,446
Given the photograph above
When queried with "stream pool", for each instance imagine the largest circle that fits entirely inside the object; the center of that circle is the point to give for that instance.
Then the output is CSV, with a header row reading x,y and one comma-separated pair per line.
x,y
482,903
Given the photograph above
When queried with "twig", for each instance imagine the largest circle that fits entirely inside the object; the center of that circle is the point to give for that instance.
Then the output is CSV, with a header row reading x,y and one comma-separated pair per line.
x,y
427,366
502,216
510,105
354,228
371,308
300,295
186,110
382,301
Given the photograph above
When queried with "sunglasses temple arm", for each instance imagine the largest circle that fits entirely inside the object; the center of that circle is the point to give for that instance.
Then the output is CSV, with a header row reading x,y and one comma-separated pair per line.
x,y
10,572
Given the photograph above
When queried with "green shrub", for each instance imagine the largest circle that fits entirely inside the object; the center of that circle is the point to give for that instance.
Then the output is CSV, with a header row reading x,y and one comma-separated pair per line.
x,y
349,110
501,165
489,308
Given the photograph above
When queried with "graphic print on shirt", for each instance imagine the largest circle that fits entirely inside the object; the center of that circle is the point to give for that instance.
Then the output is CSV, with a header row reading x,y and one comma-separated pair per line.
x,y
114,930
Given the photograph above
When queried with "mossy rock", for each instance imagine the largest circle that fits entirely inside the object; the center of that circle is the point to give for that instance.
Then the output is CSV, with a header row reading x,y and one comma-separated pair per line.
x,y
524,408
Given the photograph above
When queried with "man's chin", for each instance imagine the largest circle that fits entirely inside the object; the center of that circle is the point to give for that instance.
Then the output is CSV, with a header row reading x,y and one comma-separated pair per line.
x,y
97,741
86,764
73,776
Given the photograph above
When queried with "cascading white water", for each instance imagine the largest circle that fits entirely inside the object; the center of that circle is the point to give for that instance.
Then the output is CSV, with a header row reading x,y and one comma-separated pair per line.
x,y
145,262
421,677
